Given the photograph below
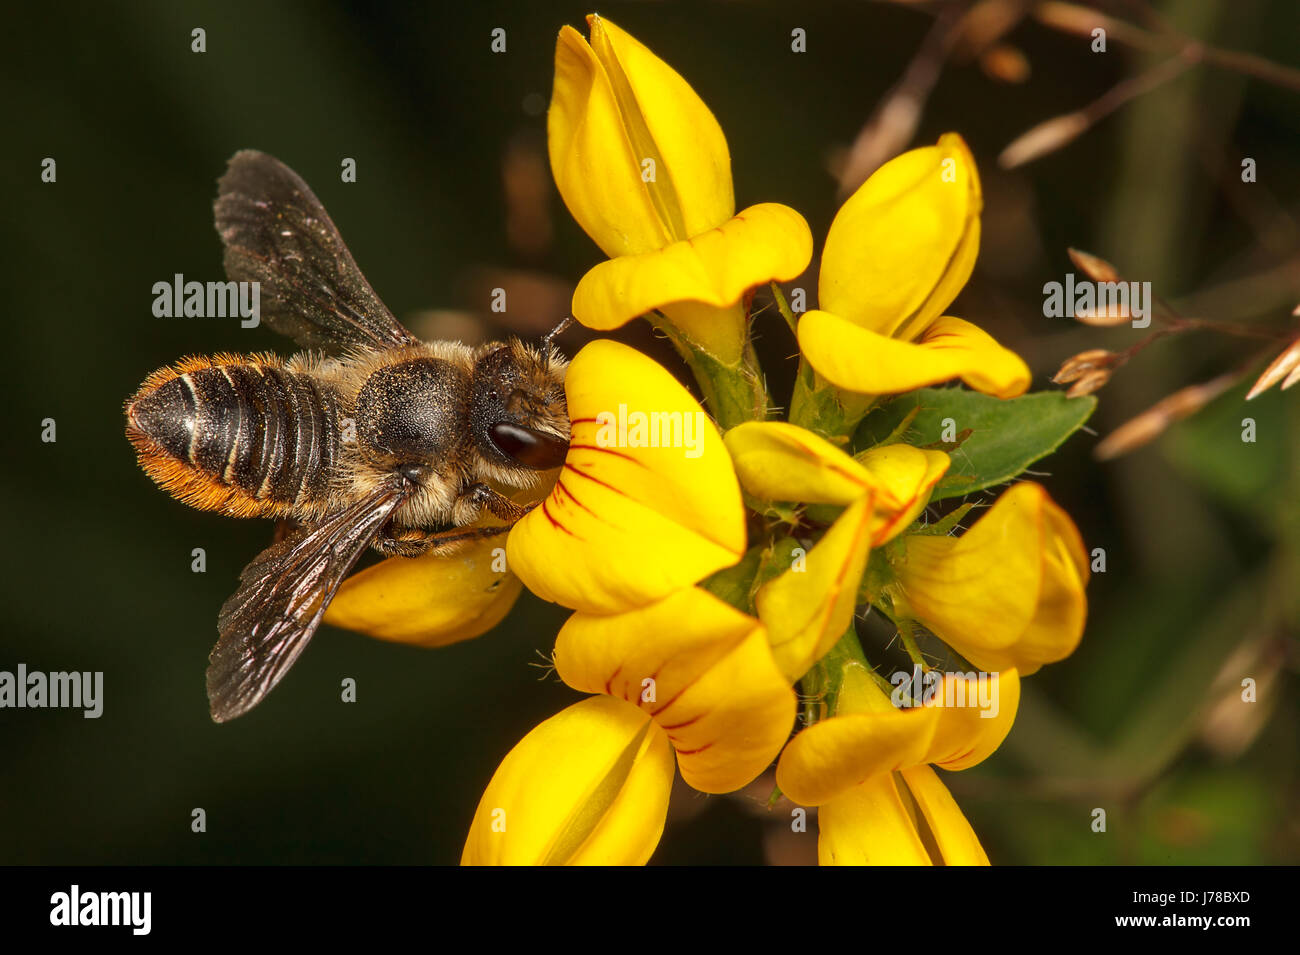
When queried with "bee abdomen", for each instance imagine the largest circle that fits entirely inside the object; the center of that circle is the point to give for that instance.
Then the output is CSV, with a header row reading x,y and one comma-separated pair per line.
x,y
244,436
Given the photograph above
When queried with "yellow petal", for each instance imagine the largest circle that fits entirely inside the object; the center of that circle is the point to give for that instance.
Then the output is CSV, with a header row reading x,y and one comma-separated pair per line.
x,y
956,728
429,601
869,824
904,478
589,786
702,669
903,245
976,712
1010,592
685,134
956,840
777,461
714,267
592,158
831,757
627,524
619,116
857,359
783,462
809,606
875,823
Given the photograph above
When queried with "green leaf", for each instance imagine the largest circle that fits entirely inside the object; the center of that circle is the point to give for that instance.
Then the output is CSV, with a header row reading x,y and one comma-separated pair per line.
x,y
1006,435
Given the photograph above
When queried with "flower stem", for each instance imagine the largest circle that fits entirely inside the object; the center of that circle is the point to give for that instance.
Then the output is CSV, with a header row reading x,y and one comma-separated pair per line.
x,y
733,392
820,686
817,404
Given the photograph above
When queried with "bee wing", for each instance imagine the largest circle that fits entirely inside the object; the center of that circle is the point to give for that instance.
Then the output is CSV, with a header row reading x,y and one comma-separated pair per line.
x,y
281,598
277,233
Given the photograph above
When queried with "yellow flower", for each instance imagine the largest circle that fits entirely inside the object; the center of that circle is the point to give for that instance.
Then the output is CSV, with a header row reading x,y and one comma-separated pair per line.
x,y
1007,593
809,606
880,822
701,669
898,252
868,768
588,786
646,503
643,167
429,601
687,674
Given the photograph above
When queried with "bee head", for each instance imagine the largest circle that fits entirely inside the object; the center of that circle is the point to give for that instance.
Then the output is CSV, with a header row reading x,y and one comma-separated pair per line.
x,y
518,413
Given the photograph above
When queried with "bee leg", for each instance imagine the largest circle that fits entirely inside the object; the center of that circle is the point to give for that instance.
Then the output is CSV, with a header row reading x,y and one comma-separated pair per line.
x,y
414,541
474,498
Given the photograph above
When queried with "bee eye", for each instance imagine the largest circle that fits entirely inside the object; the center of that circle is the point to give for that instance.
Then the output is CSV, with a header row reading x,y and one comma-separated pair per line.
x,y
532,449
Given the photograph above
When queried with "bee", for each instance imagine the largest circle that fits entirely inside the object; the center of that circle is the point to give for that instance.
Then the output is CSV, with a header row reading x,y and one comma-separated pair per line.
x,y
368,438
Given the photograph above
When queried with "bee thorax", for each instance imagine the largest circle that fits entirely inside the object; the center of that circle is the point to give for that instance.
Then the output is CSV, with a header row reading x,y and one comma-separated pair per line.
x,y
410,413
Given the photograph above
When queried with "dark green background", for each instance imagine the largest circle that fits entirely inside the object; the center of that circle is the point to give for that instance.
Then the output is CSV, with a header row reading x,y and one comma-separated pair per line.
x,y
1200,530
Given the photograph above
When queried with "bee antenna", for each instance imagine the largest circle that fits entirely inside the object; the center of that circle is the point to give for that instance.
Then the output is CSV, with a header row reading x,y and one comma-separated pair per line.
x,y
548,340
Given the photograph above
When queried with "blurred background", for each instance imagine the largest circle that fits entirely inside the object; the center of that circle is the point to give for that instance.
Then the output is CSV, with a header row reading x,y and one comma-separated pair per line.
x,y
453,197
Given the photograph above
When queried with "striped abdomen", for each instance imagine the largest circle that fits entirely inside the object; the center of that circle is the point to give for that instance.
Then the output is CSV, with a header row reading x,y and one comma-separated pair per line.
x,y
241,435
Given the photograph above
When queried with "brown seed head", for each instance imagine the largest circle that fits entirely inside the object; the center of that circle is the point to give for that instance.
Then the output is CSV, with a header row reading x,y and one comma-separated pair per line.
x,y
1148,426
1075,367
1097,269
1117,314
1005,63
1088,383
1043,139
1285,365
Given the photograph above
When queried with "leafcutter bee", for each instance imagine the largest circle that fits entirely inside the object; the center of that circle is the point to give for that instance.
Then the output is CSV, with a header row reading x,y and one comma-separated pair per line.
x,y
370,438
